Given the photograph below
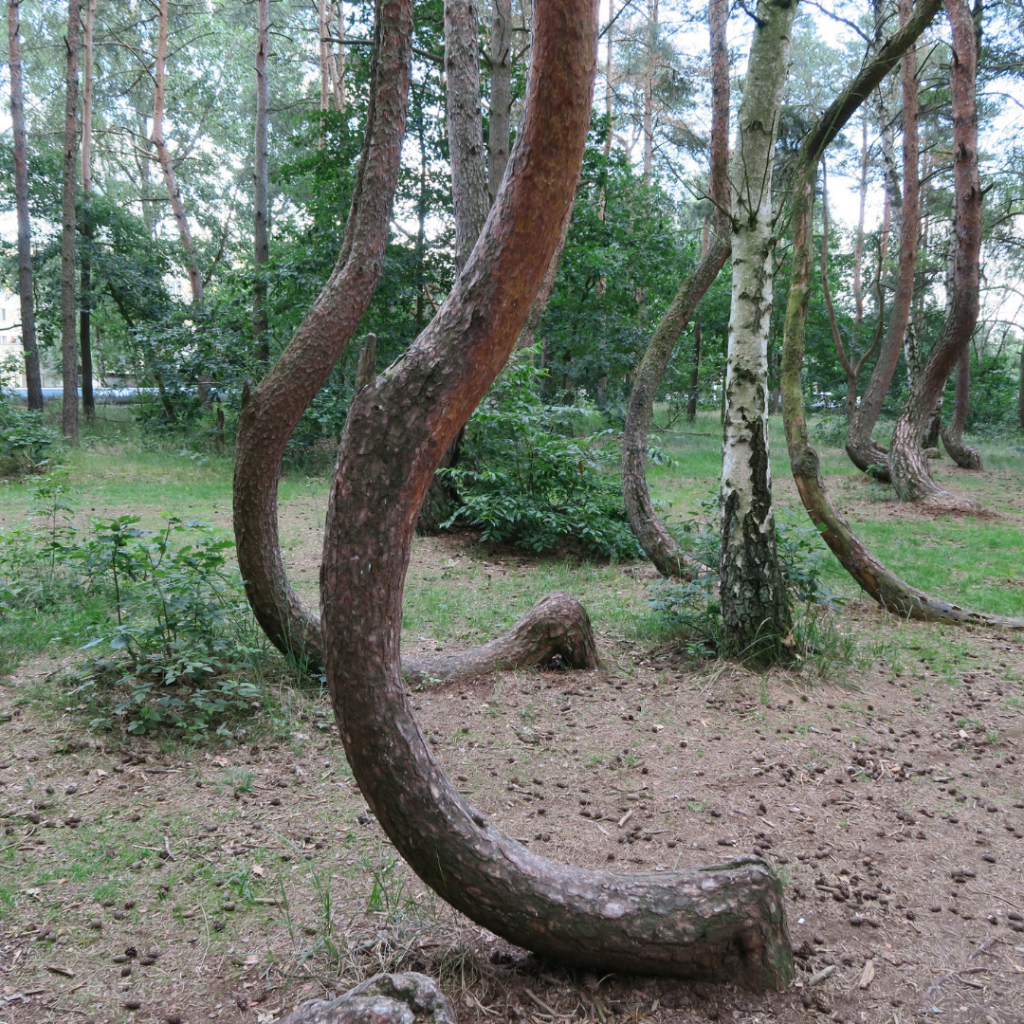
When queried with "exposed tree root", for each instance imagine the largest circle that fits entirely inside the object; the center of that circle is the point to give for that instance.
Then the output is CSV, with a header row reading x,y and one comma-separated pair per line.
x,y
557,626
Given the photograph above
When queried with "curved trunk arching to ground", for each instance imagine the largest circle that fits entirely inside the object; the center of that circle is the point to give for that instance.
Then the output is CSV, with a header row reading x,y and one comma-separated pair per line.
x,y
872,576
864,451
720,922
649,528
964,455
908,465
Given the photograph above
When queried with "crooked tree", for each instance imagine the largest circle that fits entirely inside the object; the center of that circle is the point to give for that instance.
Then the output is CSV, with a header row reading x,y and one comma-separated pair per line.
x,y
722,922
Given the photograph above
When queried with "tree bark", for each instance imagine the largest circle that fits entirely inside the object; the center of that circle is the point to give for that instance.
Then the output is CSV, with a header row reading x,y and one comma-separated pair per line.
x,y
755,605
270,413
85,312
722,922
325,58
649,66
865,453
908,465
69,342
195,279
501,92
529,332
962,454
261,176
651,532
465,125
872,576
366,372
33,380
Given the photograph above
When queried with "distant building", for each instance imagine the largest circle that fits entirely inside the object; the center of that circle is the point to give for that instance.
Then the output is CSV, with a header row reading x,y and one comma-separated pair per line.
x,y
11,354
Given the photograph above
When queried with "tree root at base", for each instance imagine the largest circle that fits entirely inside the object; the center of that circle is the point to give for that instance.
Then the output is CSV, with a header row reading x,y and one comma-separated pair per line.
x,y
557,626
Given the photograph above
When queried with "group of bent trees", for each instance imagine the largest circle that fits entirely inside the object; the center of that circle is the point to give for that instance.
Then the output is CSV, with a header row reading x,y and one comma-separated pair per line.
x,y
725,922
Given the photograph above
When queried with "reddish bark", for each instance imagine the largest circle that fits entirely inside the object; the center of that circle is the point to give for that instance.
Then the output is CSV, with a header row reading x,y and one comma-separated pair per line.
x,y
272,410
965,456
721,922
908,464
865,453
651,532
871,575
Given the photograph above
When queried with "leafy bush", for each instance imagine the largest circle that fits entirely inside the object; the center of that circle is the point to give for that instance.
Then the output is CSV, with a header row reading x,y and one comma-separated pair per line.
x,y
522,478
831,430
692,608
173,643
26,442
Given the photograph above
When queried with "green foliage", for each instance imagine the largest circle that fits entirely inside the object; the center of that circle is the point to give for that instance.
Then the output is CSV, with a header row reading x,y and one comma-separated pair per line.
x,y
26,442
831,430
691,609
522,478
175,633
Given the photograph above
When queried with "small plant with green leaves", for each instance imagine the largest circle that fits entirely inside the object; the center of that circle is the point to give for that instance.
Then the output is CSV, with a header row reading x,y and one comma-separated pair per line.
x,y
27,444
524,478
181,646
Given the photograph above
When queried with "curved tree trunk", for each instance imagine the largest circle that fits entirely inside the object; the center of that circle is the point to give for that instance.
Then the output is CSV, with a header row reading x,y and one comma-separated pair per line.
x,y
872,576
722,922
659,545
962,454
270,413
865,453
908,465
33,381
651,532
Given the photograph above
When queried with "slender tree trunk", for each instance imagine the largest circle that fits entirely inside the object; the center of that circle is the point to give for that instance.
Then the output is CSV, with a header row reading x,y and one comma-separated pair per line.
x,y
394,438
865,453
84,315
337,61
649,67
908,465
325,60
609,90
858,250
69,343
501,92
650,530
261,225
163,155
871,575
1020,392
755,605
465,124
33,379
962,454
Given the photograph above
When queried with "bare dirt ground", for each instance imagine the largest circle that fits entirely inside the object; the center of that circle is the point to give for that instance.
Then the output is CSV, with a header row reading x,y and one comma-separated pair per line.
x,y
187,885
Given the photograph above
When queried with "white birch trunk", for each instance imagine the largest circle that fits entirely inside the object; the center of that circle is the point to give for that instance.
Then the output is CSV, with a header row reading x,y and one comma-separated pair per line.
x,y
755,614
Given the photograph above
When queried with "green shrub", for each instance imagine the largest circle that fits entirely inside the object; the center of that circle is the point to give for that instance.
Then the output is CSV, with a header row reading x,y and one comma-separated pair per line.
x,y
26,442
523,478
173,644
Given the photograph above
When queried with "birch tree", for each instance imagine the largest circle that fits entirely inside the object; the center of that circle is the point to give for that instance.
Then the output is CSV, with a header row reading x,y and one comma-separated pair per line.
x,y
755,609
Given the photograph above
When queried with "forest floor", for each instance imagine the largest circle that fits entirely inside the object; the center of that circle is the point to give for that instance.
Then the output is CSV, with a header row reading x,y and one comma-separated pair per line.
x,y
884,780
